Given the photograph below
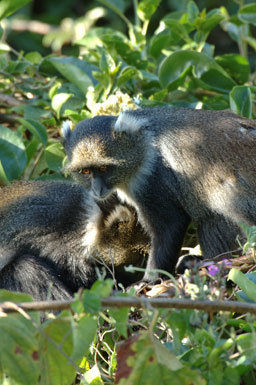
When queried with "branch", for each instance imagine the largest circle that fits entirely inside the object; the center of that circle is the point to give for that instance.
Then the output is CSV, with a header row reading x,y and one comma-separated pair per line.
x,y
208,306
10,100
31,26
7,118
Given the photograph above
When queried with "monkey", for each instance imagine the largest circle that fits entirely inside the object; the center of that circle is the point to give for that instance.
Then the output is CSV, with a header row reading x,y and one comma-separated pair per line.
x,y
174,166
53,236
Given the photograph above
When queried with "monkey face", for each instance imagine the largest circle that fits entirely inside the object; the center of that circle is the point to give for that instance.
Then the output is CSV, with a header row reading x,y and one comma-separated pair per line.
x,y
101,161
95,179
100,181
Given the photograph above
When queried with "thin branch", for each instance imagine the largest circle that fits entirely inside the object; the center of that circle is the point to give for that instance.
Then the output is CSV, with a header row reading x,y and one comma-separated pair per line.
x,y
31,26
7,118
168,303
10,100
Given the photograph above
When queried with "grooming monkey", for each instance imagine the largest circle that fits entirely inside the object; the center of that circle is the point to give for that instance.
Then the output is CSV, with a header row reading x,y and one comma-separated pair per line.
x,y
53,234
173,165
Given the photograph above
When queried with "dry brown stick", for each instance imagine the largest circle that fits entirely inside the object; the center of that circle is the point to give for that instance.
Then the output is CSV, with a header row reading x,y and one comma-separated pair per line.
x,y
31,26
10,100
205,305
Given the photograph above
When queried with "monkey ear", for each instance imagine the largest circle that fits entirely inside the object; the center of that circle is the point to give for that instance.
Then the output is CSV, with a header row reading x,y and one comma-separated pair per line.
x,y
66,130
129,123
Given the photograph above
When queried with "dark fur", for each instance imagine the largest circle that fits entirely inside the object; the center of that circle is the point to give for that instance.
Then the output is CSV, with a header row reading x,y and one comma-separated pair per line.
x,y
53,234
173,165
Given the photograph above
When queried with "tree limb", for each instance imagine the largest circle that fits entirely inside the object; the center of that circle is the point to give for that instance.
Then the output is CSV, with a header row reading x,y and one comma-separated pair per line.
x,y
175,303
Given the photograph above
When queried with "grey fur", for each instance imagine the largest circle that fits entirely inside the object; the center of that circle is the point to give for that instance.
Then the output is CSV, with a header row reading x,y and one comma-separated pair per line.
x,y
173,165
55,233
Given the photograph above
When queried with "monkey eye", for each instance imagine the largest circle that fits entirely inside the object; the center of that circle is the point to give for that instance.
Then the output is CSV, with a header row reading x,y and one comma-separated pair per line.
x,y
103,169
85,171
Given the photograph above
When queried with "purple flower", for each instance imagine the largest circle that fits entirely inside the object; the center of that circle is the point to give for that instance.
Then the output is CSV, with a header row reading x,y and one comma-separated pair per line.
x,y
213,270
226,263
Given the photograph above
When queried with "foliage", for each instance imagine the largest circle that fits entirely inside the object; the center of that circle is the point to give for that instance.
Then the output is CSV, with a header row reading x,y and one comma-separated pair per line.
x,y
174,64
162,346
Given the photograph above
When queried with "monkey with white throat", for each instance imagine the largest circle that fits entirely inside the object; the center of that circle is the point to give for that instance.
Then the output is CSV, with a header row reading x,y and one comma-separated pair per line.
x,y
173,165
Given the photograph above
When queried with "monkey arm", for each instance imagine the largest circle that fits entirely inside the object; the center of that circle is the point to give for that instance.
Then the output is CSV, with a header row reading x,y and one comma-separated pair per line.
x,y
167,227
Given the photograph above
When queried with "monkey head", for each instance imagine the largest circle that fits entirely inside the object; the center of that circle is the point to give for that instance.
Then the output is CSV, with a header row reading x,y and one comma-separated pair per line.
x,y
100,158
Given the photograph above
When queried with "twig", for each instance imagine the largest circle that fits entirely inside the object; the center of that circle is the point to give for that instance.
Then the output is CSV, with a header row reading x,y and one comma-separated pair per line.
x,y
10,100
168,303
7,118
31,26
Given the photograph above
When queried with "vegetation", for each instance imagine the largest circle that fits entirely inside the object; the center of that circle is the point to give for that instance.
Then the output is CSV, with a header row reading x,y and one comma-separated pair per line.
x,y
135,64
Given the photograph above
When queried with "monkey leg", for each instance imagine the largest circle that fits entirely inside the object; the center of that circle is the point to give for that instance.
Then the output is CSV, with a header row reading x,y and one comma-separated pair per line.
x,y
217,236
32,275
168,234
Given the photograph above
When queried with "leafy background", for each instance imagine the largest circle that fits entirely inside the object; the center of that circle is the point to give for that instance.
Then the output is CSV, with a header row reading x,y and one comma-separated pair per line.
x,y
75,59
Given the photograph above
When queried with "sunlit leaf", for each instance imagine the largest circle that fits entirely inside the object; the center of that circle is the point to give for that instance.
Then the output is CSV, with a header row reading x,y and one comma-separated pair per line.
x,y
175,67
247,13
7,7
240,279
147,8
241,101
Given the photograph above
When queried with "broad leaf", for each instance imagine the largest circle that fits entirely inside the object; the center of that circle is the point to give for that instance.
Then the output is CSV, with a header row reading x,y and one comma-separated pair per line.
x,y
36,128
248,287
54,155
247,13
12,153
73,73
147,8
235,65
55,348
175,67
241,101
7,7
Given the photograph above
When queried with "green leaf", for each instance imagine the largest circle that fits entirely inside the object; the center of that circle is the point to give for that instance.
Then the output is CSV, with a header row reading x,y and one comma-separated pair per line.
x,y
240,279
7,7
12,153
240,99
55,348
193,10
152,363
159,42
84,334
236,66
19,350
147,8
34,57
213,18
93,377
107,63
246,344
35,113
4,47
117,6
36,128
91,302
247,14
241,295
58,101
3,176
120,316
72,73
6,295
102,288
94,37
54,155
175,67
127,74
